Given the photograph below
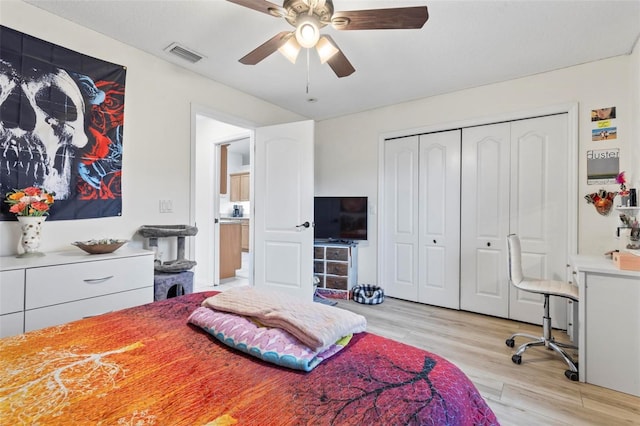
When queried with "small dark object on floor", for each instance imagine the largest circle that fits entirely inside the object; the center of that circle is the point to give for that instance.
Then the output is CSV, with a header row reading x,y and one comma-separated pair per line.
x,y
321,299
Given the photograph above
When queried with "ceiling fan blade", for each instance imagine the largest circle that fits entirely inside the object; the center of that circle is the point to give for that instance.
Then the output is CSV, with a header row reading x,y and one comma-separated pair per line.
x,y
338,62
263,6
265,49
381,19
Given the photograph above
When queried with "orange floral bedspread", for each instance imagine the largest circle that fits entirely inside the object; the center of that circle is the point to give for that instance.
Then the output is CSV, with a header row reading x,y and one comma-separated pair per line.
x,y
147,366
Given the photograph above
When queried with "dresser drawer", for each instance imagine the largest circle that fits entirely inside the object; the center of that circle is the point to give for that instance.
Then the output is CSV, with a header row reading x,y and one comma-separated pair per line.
x,y
337,283
335,268
338,253
60,314
53,285
11,291
11,324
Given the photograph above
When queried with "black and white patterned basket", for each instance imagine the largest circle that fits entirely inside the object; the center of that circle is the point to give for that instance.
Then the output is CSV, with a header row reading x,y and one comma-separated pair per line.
x,y
367,294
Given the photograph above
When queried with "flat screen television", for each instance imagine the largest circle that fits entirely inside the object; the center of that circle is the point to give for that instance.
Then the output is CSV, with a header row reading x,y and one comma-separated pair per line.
x,y
340,218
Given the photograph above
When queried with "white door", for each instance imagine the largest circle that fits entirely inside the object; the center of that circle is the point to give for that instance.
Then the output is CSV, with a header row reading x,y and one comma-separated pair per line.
x,y
439,219
400,218
485,219
539,205
283,198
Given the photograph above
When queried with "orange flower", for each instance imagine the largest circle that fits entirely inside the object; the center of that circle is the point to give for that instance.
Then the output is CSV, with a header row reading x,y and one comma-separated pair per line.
x,y
16,195
17,208
32,191
40,206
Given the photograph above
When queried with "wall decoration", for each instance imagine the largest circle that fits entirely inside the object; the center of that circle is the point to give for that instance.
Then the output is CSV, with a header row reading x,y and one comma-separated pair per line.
x,y
603,114
61,126
602,201
605,133
604,127
603,166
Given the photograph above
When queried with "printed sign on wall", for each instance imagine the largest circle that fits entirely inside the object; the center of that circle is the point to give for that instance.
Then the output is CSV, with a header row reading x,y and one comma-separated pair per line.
x,y
603,165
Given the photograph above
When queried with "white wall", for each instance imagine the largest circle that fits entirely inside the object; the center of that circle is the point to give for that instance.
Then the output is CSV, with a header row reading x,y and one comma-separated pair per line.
x,y
634,94
157,138
346,152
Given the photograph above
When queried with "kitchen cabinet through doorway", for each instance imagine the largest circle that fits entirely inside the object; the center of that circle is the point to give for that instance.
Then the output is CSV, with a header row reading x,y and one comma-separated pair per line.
x,y
240,184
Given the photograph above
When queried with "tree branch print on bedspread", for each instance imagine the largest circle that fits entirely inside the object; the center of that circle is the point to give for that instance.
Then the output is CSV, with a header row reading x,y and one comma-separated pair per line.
x,y
380,390
56,377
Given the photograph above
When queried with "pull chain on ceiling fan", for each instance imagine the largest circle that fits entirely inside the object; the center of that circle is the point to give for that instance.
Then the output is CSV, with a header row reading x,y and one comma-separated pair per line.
x,y
310,16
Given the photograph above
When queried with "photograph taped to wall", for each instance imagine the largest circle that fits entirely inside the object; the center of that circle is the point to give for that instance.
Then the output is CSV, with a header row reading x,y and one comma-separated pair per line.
x,y
600,114
603,165
604,134
61,126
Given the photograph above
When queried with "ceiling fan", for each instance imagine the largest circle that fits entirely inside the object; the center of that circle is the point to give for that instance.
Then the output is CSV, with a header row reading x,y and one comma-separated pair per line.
x,y
309,16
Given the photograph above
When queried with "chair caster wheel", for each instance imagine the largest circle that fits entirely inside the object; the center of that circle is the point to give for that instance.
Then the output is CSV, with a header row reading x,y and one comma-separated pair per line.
x,y
571,375
517,359
510,342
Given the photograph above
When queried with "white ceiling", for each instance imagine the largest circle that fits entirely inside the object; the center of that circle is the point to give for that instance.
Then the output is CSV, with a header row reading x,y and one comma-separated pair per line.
x,y
463,44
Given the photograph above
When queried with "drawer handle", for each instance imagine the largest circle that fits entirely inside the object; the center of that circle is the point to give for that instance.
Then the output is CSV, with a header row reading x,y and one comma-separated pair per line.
x,y
97,280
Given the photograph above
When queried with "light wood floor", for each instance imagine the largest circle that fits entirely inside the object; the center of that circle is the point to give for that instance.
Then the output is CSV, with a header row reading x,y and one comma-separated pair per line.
x,y
533,393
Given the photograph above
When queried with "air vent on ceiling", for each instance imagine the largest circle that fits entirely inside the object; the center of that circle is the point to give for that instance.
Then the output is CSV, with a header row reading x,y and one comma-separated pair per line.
x,y
184,53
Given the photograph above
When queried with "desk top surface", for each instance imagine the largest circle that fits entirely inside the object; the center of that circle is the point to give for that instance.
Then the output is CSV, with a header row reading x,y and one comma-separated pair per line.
x,y
600,265
67,256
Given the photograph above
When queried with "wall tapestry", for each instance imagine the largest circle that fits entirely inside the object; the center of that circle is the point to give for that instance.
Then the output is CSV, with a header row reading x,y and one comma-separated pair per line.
x,y
61,126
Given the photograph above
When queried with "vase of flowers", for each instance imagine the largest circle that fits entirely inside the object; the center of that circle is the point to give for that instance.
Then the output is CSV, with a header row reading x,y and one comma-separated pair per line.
x,y
31,207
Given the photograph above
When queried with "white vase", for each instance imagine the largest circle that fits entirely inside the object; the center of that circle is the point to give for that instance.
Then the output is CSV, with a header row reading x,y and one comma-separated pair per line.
x,y
31,227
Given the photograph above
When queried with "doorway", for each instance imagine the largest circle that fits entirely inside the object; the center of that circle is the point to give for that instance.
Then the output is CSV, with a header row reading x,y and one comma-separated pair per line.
x,y
209,206
281,194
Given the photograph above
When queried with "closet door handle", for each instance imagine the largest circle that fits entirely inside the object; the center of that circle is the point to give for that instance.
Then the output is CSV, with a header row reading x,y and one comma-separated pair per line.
x,y
489,244
435,242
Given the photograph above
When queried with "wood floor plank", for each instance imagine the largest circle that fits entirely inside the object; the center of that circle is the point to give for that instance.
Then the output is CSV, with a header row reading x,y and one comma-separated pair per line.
x,y
535,392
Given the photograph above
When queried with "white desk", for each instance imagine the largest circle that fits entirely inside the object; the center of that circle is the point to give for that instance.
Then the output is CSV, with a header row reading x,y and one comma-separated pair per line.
x,y
609,324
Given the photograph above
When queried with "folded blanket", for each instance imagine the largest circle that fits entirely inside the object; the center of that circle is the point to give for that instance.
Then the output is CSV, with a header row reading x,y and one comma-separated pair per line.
x,y
269,344
316,325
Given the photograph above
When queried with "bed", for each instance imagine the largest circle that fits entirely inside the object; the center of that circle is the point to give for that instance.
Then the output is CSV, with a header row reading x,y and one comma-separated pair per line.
x,y
149,366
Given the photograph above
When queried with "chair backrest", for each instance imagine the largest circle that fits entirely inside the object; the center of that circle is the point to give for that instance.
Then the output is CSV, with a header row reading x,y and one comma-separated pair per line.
x,y
515,259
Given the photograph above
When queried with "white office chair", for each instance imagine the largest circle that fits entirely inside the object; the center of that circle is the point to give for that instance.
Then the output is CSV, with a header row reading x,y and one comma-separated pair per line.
x,y
546,288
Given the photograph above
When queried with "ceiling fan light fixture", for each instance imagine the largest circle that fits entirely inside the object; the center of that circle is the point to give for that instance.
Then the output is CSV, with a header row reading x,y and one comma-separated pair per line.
x,y
290,50
307,31
326,49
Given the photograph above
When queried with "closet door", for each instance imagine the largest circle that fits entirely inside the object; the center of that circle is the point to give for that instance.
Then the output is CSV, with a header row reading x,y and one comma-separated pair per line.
x,y
539,178
400,218
485,219
439,219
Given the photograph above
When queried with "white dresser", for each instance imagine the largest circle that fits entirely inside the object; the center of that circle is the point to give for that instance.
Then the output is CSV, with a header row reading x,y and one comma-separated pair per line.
x,y
69,285
609,324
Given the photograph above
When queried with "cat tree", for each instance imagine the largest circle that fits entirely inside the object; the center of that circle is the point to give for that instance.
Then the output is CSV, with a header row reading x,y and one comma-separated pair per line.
x,y
171,278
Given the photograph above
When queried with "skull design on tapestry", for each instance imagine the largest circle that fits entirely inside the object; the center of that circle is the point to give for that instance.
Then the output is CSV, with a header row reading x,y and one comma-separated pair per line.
x,y
42,116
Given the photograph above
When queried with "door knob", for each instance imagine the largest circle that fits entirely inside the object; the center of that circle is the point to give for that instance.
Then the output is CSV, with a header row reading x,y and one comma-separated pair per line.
x,y
304,225
488,244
